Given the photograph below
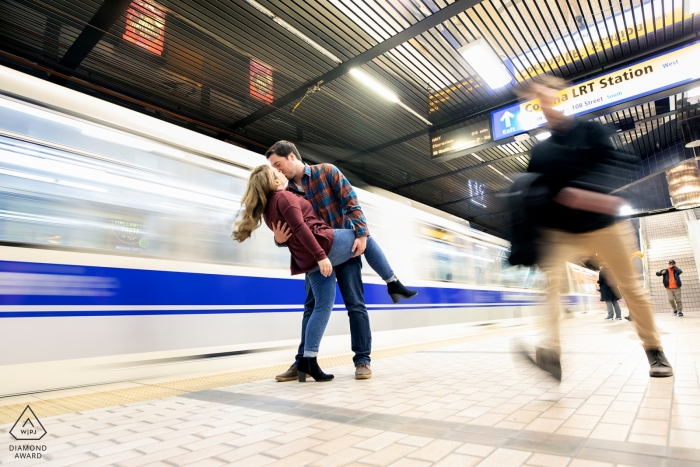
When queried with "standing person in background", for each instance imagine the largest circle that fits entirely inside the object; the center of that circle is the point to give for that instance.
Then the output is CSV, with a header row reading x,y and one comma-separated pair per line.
x,y
672,282
607,293
574,169
334,201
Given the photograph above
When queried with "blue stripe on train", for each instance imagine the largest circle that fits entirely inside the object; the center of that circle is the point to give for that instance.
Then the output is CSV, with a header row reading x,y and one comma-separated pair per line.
x,y
38,284
53,313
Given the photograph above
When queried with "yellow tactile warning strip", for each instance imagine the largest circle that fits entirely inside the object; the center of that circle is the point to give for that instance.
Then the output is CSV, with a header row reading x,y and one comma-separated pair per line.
x,y
80,403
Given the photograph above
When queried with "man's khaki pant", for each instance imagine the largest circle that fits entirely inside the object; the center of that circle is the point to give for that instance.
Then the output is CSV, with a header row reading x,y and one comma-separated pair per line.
x,y
674,298
614,245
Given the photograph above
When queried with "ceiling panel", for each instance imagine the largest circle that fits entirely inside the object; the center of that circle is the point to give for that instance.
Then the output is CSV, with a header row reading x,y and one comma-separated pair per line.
x,y
202,79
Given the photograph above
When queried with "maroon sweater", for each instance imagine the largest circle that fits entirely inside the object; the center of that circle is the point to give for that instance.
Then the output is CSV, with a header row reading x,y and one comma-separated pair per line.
x,y
311,238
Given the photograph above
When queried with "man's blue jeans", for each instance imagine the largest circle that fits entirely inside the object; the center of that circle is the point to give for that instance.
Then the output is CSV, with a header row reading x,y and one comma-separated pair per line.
x,y
349,277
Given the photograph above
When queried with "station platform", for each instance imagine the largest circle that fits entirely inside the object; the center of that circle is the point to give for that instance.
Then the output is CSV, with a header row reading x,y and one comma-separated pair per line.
x,y
463,401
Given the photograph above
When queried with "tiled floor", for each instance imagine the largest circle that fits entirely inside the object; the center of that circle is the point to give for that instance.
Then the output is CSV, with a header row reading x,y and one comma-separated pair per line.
x,y
468,404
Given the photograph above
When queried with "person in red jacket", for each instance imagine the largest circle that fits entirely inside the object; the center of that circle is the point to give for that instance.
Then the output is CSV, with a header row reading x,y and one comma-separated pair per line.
x,y
315,248
672,282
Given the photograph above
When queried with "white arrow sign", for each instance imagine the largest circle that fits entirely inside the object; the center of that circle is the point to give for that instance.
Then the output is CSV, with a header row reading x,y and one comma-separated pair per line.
x,y
507,116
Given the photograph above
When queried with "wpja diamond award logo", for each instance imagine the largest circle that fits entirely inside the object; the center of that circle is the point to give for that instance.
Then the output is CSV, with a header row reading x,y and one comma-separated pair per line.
x,y
28,428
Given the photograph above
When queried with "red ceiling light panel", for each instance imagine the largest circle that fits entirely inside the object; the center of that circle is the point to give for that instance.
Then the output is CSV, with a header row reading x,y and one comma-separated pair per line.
x,y
260,82
145,25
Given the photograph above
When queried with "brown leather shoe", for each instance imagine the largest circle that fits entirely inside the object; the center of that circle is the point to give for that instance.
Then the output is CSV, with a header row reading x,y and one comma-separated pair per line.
x,y
363,371
290,375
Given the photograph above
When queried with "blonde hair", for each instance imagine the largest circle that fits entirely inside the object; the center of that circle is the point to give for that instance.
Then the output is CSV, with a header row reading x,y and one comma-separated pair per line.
x,y
260,185
529,90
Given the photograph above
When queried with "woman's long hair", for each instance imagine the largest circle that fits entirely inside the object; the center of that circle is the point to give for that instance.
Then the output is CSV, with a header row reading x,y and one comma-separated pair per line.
x,y
260,184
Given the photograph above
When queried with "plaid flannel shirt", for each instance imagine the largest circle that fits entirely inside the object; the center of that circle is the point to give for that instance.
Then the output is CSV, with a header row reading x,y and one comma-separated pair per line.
x,y
332,197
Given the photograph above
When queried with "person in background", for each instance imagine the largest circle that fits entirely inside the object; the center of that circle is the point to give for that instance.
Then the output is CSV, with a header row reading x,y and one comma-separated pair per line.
x,y
672,282
576,168
607,293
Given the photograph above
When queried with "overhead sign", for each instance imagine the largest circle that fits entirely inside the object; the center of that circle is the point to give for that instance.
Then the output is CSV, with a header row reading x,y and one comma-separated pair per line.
x,y
145,25
458,138
260,82
674,68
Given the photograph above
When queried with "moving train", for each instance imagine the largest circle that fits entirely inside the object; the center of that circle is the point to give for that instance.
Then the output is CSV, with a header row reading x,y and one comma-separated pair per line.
x,y
116,261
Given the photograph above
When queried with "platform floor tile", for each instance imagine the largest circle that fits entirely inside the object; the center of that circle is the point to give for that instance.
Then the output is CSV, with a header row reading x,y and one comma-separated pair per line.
x,y
461,403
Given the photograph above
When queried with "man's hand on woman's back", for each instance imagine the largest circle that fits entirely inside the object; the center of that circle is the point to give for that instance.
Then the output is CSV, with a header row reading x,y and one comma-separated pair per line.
x,y
282,232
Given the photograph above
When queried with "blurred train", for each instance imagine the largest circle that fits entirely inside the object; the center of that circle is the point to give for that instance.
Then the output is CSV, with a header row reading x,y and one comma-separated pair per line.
x,y
116,259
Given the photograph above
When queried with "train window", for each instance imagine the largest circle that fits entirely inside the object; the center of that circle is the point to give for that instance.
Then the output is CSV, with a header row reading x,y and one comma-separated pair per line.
x,y
118,198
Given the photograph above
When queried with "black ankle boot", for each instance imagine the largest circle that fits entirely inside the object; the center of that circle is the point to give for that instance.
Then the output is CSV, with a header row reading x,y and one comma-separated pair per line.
x,y
309,365
397,290
658,365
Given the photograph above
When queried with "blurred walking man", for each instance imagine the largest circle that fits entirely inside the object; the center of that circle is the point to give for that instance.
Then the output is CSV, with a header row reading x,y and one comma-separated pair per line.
x,y
672,282
578,166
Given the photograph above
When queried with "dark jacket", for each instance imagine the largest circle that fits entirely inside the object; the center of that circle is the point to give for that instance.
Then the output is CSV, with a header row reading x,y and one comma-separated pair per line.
x,y
526,199
311,238
676,275
608,292
580,157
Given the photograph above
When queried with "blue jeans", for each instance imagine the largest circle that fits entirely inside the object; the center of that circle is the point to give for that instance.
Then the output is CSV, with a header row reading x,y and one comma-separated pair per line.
x,y
321,290
349,276
341,251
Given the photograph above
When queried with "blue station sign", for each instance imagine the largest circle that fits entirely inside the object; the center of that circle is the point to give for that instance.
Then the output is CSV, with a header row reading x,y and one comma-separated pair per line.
x,y
656,74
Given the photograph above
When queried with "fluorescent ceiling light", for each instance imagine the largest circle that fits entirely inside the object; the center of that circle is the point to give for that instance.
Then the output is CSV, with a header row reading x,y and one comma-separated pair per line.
x,y
383,91
292,29
543,136
499,172
474,154
486,63
374,85
416,114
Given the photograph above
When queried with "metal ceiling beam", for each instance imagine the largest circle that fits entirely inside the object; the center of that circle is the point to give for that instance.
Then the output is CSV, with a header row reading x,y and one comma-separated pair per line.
x,y
367,56
103,19
459,171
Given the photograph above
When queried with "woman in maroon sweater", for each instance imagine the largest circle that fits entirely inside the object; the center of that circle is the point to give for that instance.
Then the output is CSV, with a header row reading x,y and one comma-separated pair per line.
x,y
315,248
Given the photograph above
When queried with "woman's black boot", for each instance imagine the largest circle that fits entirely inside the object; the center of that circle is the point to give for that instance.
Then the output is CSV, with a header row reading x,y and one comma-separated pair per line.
x,y
309,365
397,290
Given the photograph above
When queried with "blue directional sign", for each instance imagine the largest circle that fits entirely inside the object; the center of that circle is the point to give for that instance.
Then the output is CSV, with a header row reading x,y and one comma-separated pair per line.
x,y
508,122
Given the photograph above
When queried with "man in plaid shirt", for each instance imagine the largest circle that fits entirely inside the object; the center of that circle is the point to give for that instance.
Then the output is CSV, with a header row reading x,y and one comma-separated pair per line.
x,y
334,200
